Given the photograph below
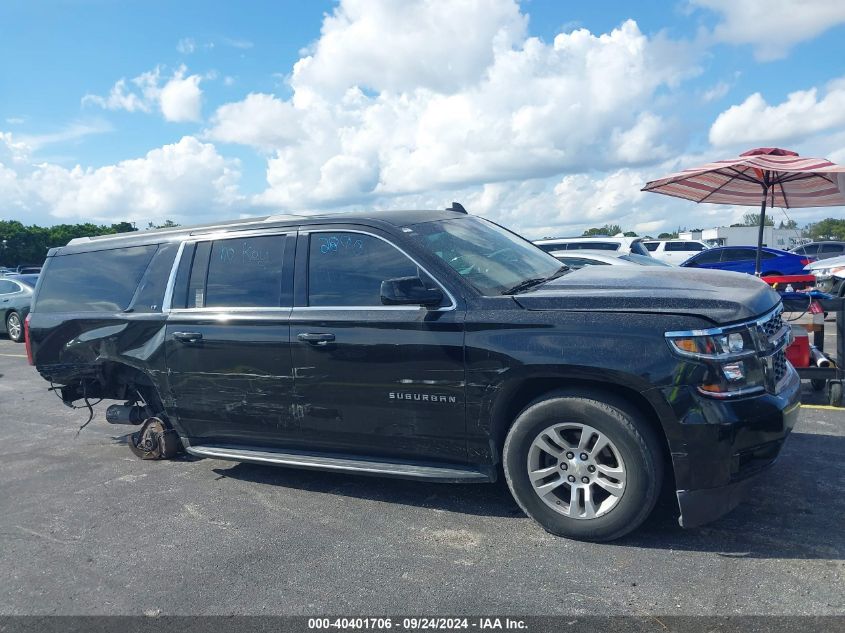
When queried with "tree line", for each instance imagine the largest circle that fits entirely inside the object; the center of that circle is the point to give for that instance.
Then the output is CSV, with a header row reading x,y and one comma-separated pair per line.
x,y
28,245
827,229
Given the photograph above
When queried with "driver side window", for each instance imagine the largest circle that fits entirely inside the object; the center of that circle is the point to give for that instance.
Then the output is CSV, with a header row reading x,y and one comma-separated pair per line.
x,y
346,269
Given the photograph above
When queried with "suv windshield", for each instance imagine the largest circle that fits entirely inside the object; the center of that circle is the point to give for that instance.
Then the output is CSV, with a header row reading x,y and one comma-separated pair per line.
x,y
493,260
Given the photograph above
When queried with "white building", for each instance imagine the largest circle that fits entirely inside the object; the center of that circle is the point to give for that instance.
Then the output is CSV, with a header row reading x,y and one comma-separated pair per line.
x,y
745,236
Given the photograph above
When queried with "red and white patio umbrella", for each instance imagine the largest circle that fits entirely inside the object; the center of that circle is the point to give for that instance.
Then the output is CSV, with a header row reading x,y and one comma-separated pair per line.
x,y
768,176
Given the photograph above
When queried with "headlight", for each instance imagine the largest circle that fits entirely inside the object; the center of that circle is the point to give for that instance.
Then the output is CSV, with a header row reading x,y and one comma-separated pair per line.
x,y
828,272
714,345
729,357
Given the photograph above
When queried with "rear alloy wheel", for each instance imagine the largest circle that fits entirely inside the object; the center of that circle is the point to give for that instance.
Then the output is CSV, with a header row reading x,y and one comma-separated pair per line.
x,y
14,328
583,468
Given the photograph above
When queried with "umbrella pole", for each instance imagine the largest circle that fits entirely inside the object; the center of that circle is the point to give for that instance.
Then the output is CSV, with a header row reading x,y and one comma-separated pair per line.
x,y
760,232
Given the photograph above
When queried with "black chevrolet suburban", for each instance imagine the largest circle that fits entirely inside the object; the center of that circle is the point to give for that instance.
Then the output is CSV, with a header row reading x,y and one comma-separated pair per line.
x,y
427,345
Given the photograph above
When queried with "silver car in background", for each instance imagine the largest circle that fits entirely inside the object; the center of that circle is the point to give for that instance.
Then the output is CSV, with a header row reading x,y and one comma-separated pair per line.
x,y
829,274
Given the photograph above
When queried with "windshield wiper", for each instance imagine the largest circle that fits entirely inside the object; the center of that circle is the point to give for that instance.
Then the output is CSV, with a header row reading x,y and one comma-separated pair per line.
x,y
522,286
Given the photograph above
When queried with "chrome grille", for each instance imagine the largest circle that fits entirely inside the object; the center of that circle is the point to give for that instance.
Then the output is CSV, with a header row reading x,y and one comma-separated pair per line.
x,y
775,358
773,325
779,365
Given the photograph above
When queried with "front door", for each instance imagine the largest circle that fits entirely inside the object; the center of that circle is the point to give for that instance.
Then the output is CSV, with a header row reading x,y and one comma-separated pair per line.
x,y
228,341
385,381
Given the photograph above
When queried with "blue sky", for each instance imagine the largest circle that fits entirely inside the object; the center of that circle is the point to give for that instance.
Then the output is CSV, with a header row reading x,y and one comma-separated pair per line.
x,y
545,115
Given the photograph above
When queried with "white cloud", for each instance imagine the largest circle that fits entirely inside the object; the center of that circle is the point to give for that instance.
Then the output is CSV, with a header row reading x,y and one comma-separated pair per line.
x,y
394,100
773,27
186,181
260,120
716,92
237,43
803,113
403,105
644,142
384,45
71,132
179,98
186,45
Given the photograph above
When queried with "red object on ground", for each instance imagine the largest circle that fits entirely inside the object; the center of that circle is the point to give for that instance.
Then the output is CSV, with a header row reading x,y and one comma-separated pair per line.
x,y
798,353
789,279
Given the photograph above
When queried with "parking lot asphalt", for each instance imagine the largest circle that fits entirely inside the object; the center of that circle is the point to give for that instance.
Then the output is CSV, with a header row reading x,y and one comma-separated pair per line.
x,y
85,528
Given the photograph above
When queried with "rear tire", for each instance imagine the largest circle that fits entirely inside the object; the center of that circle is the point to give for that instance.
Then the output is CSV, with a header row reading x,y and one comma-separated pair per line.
x,y
14,327
834,393
613,456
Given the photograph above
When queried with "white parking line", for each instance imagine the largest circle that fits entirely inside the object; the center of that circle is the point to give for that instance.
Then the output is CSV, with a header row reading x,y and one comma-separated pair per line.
x,y
14,355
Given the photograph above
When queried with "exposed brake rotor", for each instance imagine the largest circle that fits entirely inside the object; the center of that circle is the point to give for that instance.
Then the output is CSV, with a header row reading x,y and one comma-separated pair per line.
x,y
154,440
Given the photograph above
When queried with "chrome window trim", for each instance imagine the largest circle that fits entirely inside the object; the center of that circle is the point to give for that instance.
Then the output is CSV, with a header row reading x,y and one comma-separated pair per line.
x,y
171,280
224,312
453,303
285,231
413,308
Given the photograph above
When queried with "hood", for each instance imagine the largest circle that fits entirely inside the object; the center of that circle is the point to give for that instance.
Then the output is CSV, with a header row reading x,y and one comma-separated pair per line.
x,y
830,262
721,297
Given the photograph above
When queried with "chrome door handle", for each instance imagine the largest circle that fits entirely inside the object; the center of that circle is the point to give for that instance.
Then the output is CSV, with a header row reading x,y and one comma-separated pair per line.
x,y
187,337
316,338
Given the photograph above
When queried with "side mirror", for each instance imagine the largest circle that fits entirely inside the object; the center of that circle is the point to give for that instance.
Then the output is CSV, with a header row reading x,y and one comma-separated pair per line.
x,y
409,291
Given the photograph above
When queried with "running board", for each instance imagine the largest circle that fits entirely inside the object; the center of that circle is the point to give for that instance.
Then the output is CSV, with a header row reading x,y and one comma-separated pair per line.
x,y
352,465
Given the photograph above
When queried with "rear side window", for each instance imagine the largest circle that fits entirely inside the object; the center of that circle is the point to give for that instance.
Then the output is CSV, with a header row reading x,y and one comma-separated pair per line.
x,y
738,254
98,281
580,262
8,287
552,247
241,272
651,246
597,246
707,257
346,269
150,293
246,272
831,248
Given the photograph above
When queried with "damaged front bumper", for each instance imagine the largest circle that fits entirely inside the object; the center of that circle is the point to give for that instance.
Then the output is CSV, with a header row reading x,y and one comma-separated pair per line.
x,y
724,446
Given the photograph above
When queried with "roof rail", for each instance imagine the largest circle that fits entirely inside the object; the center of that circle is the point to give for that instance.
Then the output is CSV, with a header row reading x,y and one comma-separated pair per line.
x,y
166,231
280,217
457,207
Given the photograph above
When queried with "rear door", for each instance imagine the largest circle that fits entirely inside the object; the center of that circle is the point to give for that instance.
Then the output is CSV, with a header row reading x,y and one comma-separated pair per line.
x,y
710,258
675,253
739,260
830,250
228,340
370,379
